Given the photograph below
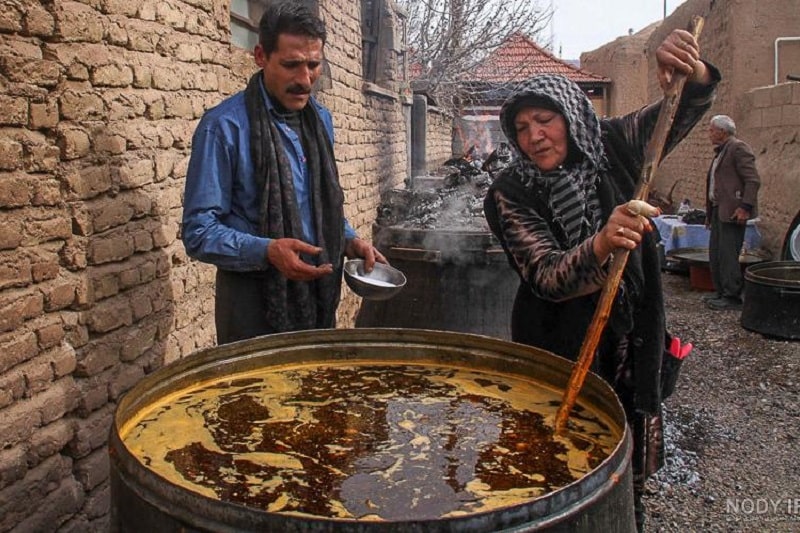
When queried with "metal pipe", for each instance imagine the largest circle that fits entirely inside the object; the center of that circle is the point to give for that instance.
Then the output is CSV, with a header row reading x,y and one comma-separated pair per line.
x,y
777,41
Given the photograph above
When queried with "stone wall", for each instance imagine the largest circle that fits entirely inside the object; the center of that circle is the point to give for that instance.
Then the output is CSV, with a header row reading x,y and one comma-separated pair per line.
x,y
739,38
98,103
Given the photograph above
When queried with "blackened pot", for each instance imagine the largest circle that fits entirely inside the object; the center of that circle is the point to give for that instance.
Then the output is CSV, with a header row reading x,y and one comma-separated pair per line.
x,y
772,299
141,500
457,281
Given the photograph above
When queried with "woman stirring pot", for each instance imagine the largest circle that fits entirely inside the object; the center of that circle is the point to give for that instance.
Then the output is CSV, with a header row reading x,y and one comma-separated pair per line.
x,y
558,211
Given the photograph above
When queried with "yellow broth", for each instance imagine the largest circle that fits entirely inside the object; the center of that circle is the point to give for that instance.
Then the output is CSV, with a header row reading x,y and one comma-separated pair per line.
x,y
368,441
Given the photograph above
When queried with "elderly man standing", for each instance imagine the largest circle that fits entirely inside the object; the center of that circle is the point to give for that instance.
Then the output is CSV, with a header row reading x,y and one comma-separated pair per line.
x,y
732,192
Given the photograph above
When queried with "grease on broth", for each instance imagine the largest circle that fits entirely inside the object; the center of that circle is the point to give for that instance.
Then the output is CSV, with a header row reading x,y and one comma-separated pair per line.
x,y
368,441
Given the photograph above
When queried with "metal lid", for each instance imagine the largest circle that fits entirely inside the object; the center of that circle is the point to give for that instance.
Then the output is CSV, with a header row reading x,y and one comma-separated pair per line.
x,y
791,244
699,256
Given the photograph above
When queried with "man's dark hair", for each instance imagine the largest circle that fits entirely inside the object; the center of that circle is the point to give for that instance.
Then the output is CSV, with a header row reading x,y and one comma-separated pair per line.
x,y
288,16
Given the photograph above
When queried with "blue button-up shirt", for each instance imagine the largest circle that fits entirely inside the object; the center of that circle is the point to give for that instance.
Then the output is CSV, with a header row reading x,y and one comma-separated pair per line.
x,y
221,199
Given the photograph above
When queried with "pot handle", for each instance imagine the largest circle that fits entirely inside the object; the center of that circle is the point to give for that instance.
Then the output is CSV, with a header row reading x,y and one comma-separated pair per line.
x,y
415,254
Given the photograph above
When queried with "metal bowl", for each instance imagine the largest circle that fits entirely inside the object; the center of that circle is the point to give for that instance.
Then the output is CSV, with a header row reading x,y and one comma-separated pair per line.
x,y
381,284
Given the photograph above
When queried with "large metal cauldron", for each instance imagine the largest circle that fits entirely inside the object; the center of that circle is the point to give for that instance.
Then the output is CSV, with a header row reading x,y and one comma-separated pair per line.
x,y
772,299
143,501
457,281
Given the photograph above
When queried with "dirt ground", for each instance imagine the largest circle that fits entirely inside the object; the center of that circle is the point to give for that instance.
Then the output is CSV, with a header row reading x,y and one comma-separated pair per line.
x,y
732,426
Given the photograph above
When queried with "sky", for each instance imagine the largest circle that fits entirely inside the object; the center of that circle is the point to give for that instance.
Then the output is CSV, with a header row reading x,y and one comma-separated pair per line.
x,y
583,25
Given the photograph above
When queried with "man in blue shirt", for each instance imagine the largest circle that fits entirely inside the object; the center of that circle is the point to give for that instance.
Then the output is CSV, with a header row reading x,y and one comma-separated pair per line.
x,y
262,200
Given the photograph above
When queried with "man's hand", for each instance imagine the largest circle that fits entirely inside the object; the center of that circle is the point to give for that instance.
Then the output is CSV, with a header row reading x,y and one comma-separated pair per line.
x,y
284,254
363,249
740,216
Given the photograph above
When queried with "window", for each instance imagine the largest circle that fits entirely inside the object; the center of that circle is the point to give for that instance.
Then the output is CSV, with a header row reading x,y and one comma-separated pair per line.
x,y
383,38
371,11
245,15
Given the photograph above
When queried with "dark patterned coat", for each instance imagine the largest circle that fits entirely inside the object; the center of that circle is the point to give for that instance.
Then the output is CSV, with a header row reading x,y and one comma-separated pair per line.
x,y
559,286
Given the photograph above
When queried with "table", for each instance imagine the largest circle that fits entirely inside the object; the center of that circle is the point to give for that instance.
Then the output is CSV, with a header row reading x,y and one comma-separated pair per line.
x,y
676,234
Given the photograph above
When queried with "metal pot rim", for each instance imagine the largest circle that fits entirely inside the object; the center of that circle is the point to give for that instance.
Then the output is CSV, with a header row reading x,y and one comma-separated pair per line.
x,y
760,273
464,347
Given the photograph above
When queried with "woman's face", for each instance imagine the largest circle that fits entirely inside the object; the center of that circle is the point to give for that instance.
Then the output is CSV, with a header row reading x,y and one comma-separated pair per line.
x,y
542,136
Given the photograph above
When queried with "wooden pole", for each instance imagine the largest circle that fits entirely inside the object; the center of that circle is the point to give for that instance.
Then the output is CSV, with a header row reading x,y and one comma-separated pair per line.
x,y
653,154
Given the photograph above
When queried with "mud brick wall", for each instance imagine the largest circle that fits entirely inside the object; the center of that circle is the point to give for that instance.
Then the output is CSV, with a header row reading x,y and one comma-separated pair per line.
x,y
98,103
746,59
439,132
771,125
624,61
372,130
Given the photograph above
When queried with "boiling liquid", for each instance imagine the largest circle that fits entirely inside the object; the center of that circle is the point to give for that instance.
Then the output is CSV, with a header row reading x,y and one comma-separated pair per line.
x,y
368,441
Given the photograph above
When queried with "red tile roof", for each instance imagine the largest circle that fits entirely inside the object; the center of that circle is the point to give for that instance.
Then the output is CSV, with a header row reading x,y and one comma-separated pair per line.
x,y
519,58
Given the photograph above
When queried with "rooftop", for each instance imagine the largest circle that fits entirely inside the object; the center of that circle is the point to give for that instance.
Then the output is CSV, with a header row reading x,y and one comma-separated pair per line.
x,y
519,58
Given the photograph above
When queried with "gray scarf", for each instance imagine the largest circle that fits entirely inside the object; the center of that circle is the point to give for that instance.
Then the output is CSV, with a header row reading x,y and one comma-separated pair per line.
x,y
570,190
297,305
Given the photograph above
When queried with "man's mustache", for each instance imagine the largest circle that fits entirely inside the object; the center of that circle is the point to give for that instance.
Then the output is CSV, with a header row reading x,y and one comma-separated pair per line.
x,y
298,89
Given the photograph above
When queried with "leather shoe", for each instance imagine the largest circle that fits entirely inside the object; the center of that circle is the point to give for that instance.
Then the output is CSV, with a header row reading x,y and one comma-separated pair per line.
x,y
725,303
719,300
712,296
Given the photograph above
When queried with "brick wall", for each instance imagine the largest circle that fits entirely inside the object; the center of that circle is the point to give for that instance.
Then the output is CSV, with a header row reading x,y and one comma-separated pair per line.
x,y
746,58
371,130
439,137
98,103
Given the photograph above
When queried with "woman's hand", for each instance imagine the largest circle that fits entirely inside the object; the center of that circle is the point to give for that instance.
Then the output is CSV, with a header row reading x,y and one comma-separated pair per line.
x,y
680,53
624,229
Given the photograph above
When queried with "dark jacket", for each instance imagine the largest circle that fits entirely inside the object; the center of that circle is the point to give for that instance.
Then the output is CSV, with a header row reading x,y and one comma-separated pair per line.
x,y
736,180
638,313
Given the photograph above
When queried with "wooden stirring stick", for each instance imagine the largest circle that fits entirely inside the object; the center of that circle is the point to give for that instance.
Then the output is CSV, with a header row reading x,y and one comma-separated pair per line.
x,y
655,148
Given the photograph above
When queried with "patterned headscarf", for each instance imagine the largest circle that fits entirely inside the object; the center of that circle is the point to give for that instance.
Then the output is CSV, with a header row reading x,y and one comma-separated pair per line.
x,y
571,189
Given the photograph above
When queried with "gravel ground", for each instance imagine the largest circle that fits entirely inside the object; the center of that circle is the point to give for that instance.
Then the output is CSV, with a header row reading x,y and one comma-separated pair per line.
x,y
732,426
733,423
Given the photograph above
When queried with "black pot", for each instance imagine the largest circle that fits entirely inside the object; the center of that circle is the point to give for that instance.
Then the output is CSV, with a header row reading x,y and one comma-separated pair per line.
x,y
772,299
142,500
457,281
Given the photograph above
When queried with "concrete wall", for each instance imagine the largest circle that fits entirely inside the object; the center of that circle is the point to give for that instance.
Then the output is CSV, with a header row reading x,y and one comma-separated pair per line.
x,y
98,103
739,38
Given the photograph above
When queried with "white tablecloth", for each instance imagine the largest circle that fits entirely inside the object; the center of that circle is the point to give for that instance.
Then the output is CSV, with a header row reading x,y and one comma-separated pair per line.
x,y
677,234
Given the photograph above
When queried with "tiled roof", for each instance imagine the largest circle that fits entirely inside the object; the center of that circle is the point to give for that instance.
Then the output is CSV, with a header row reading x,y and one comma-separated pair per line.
x,y
519,58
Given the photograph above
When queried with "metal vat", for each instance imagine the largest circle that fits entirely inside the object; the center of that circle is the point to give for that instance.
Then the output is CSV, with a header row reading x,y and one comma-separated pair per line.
x,y
772,299
457,281
141,500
